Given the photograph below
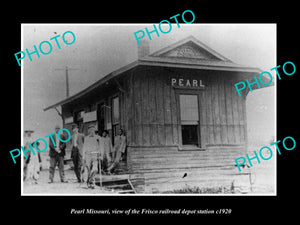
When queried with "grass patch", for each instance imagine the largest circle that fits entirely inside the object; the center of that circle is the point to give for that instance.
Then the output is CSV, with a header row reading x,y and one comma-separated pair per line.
x,y
204,190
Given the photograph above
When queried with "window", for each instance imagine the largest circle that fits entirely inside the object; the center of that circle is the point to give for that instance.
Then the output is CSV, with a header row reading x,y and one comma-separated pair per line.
x,y
189,115
189,109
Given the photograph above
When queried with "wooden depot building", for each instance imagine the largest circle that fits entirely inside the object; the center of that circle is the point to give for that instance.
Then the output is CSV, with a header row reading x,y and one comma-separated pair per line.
x,y
179,109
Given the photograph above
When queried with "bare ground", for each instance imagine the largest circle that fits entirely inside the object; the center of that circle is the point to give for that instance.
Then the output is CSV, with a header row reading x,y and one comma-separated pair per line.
x,y
72,187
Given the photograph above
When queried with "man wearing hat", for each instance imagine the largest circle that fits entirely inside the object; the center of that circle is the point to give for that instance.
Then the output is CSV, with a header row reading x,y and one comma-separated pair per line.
x,y
57,154
28,171
77,141
90,154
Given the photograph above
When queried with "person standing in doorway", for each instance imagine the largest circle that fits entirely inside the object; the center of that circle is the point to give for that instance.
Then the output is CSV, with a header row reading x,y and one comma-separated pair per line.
x,y
77,141
106,149
57,154
119,149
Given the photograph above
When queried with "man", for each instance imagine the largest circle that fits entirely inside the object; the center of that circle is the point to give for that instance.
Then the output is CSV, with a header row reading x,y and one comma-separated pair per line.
x,y
106,149
27,140
91,152
57,153
77,141
120,146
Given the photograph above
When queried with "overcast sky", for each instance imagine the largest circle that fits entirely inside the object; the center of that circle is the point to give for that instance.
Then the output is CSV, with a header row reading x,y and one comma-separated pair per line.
x,y
102,48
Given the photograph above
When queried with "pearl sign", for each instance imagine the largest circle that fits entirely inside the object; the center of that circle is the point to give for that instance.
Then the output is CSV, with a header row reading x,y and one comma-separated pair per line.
x,y
193,83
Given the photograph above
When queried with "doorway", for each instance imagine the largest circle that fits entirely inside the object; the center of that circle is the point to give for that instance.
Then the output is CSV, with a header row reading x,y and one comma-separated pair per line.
x,y
101,117
189,119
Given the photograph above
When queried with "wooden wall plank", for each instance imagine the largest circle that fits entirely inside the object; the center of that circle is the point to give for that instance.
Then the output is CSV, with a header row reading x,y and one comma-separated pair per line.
x,y
129,107
169,134
145,108
167,104
152,111
174,112
222,103
235,114
202,114
160,110
229,111
140,107
167,113
161,134
137,110
133,110
159,99
245,126
209,112
241,118
216,110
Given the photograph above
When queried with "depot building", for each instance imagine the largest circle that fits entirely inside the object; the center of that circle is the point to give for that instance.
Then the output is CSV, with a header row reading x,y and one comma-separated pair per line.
x,y
178,106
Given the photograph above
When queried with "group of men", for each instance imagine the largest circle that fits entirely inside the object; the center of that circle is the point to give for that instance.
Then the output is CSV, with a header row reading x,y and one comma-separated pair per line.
x,y
88,154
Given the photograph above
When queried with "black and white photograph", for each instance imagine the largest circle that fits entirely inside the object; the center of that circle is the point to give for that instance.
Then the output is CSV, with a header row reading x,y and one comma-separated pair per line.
x,y
138,113
131,109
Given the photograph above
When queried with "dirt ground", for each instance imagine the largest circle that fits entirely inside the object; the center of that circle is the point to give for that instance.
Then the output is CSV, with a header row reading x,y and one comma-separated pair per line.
x,y
263,179
72,187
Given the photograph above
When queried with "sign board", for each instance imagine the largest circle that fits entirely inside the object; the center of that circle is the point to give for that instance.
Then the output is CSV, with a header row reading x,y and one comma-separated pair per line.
x,y
90,116
69,120
186,83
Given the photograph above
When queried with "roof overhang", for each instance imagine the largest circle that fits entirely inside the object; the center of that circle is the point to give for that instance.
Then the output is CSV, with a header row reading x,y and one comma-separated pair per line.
x,y
161,62
196,64
95,85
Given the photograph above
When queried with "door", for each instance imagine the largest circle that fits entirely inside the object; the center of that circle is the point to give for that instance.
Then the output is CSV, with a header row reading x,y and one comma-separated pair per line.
x,y
101,117
189,119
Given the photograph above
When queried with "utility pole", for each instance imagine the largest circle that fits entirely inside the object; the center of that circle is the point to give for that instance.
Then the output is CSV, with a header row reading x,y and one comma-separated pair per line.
x,y
67,79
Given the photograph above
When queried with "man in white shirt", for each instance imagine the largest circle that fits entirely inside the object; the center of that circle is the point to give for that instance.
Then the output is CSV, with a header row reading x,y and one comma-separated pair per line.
x,y
91,152
119,149
106,150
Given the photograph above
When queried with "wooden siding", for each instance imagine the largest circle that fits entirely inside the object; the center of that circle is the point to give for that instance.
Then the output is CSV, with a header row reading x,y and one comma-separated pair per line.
x,y
152,111
151,158
163,169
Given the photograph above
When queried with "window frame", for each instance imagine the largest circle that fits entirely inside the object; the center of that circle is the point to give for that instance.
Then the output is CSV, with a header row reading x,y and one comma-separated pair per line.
x,y
199,146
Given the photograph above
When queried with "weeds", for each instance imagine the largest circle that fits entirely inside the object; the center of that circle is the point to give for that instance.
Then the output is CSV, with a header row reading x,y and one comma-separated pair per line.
x,y
205,190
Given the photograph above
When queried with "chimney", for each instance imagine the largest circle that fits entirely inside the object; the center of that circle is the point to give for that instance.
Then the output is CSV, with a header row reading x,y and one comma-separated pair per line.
x,y
143,49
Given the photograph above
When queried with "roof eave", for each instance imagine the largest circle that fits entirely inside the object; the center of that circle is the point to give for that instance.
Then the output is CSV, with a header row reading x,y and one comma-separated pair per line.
x,y
157,62
96,84
151,62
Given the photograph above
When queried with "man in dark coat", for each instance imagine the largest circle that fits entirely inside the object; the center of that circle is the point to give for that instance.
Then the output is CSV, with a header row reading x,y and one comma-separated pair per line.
x,y
57,153
77,142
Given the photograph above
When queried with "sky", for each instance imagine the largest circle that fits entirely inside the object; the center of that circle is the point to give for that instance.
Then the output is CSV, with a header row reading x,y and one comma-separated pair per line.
x,y
102,48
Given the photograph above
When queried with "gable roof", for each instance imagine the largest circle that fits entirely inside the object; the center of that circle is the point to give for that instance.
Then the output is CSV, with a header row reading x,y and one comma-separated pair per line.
x,y
189,47
186,53
192,53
